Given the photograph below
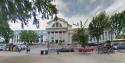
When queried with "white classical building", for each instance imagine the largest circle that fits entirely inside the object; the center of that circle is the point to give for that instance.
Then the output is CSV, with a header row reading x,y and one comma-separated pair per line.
x,y
104,37
41,33
59,31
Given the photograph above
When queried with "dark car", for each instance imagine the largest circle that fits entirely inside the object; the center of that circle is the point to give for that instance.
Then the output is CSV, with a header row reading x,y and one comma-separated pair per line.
x,y
92,44
67,50
121,46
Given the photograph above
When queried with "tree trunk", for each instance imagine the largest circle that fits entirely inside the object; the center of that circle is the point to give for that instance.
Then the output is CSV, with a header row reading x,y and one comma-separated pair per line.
x,y
97,38
6,39
111,36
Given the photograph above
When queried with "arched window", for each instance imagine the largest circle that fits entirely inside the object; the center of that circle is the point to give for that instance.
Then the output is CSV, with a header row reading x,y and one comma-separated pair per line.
x,y
57,25
54,25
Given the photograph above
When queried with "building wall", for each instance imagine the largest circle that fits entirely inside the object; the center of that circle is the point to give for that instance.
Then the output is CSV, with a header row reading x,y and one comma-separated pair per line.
x,y
104,37
64,24
16,38
65,29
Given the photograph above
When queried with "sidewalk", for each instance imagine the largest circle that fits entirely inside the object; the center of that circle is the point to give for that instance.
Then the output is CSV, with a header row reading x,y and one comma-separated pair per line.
x,y
22,53
8,53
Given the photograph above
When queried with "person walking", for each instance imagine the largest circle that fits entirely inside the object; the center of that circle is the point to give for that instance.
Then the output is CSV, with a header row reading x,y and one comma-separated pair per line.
x,y
27,49
58,51
108,47
19,49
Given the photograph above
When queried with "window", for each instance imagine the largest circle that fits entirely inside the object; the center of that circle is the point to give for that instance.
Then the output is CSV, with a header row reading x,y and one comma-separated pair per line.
x,y
57,25
54,25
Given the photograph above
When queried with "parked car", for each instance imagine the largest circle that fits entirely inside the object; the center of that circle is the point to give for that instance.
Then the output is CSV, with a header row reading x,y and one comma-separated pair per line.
x,y
23,47
92,44
86,49
2,47
121,46
115,46
67,50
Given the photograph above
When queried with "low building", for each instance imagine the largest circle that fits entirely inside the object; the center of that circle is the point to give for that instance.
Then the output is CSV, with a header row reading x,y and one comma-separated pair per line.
x,y
16,38
104,37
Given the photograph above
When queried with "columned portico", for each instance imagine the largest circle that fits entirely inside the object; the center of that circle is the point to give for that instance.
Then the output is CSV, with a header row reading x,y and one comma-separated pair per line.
x,y
60,31
56,36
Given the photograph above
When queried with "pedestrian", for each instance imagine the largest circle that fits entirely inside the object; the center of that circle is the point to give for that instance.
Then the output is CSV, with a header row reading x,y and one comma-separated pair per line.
x,y
57,51
19,49
27,49
108,47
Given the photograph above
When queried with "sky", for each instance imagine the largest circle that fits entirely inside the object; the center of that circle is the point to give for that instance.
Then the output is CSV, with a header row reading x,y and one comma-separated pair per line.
x,y
75,10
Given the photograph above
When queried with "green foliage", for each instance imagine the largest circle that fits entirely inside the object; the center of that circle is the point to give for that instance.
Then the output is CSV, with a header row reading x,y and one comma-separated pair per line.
x,y
98,25
121,36
28,36
23,10
118,22
5,31
81,37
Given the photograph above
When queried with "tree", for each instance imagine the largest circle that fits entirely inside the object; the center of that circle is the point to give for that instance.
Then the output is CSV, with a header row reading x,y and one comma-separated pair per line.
x,y
81,37
22,10
5,31
118,22
121,36
28,36
98,25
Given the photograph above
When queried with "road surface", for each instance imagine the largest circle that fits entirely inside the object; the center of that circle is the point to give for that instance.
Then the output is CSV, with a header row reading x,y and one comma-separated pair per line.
x,y
35,57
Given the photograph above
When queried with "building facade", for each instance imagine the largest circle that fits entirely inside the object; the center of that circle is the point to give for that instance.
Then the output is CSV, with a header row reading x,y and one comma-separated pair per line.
x,y
16,38
104,37
59,31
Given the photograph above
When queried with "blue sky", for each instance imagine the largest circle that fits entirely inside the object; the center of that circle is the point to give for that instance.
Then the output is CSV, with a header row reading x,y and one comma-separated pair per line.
x,y
75,10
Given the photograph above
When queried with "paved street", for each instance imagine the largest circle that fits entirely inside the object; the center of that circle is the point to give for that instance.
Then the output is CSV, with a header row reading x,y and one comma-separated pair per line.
x,y
65,58
35,57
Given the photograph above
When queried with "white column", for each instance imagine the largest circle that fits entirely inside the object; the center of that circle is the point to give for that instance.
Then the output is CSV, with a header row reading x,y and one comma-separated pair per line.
x,y
50,37
105,36
69,38
114,36
101,39
54,37
16,39
62,35
39,39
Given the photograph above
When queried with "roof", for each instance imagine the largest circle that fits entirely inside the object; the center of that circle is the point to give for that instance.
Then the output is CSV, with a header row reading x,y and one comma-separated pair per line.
x,y
60,19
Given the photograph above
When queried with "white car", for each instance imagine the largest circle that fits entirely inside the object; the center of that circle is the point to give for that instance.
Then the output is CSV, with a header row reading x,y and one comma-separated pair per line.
x,y
23,47
2,47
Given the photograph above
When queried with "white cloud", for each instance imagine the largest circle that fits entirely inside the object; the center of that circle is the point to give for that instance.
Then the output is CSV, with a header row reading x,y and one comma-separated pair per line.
x,y
76,19
86,11
117,6
61,6
17,26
